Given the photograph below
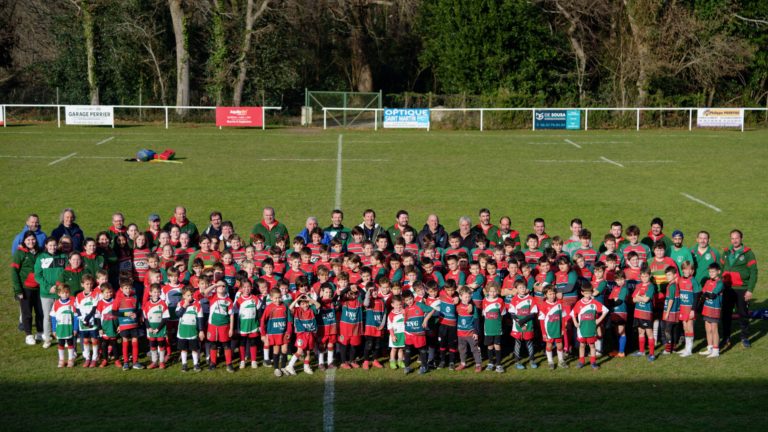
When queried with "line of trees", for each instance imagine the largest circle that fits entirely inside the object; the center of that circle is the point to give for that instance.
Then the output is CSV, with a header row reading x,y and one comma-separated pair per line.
x,y
521,52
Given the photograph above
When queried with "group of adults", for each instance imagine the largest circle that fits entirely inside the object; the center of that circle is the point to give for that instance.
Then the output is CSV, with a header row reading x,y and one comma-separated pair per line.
x,y
737,259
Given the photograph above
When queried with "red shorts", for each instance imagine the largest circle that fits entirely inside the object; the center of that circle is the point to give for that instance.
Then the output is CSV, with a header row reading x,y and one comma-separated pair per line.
x,y
415,341
556,340
349,339
588,340
522,336
686,313
249,336
305,341
619,317
276,340
218,333
328,340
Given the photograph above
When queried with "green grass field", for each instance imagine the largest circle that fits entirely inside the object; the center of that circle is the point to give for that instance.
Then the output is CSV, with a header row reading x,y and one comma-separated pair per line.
x,y
522,174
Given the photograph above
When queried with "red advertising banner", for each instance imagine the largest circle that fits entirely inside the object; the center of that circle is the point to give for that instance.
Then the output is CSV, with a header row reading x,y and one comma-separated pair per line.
x,y
239,116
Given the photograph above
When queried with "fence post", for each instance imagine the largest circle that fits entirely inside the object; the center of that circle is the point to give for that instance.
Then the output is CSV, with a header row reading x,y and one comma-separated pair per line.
x,y
533,119
586,119
166,117
58,116
638,119
263,118
325,121
481,119
375,120
743,119
690,120
5,119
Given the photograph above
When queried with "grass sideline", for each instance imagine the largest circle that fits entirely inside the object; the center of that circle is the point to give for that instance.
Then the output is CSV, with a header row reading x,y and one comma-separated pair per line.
x,y
522,174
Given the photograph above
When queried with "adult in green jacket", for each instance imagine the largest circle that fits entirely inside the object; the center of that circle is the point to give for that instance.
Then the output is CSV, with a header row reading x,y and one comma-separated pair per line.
x,y
49,266
270,228
740,277
25,288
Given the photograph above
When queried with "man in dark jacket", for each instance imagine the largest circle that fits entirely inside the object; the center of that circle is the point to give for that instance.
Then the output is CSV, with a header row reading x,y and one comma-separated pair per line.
x,y
67,226
437,231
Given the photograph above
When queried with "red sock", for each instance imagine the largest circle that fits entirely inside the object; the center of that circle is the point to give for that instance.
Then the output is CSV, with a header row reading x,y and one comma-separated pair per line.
x,y
652,346
135,350
592,359
253,353
167,347
125,350
214,354
581,360
641,344
228,356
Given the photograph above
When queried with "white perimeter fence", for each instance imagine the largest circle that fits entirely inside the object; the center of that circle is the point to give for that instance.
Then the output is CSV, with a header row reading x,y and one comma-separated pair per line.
x,y
691,110
166,109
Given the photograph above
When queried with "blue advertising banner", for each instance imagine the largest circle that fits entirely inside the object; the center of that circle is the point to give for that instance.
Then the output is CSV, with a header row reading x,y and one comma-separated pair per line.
x,y
414,118
558,119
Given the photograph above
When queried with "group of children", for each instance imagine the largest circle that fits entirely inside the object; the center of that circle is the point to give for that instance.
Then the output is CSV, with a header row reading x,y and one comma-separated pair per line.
x,y
365,306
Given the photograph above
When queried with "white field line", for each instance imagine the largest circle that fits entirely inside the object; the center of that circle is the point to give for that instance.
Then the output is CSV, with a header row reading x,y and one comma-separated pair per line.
x,y
62,159
105,140
612,162
567,161
704,203
329,395
317,160
572,143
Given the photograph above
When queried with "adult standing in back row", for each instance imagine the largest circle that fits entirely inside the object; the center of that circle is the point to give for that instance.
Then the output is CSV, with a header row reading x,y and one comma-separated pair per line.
x,y
740,277
185,225
67,226
269,227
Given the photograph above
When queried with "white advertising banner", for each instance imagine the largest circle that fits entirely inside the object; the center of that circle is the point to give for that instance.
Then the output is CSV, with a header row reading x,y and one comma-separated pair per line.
x,y
90,115
720,117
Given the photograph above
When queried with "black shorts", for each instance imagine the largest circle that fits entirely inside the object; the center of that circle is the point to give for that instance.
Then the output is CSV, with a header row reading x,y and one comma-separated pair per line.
x,y
447,335
643,323
130,334
492,340
189,345
711,320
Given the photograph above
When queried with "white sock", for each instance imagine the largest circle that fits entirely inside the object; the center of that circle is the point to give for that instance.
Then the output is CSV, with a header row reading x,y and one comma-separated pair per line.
x,y
95,352
330,357
716,351
293,361
183,357
599,345
320,358
86,351
266,354
153,355
688,344
195,358
61,354
71,353
656,330
560,356
161,353
549,357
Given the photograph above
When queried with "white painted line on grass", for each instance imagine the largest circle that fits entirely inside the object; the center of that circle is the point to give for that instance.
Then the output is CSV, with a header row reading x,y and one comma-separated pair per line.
x,y
62,159
106,140
316,160
567,161
28,157
572,143
611,162
329,395
704,203
337,202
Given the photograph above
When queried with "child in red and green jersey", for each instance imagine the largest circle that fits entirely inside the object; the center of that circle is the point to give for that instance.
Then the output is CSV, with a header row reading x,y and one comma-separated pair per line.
x,y
92,262
432,299
492,274
153,276
658,265
106,322
475,282
617,299
72,274
327,330
467,329
205,254
633,245
713,298
671,309
453,272
396,332
599,289
689,290
587,316
508,283
394,266
523,310
230,269
85,307
454,246
171,293
295,271
447,331
552,316
356,245
632,270
64,313
609,242
246,311
141,252
267,273
565,283
190,331
585,248
429,273
481,246
532,252
642,296
276,328
416,316
350,304
304,310
128,317
156,316
493,309
375,321
221,322
581,268
541,279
